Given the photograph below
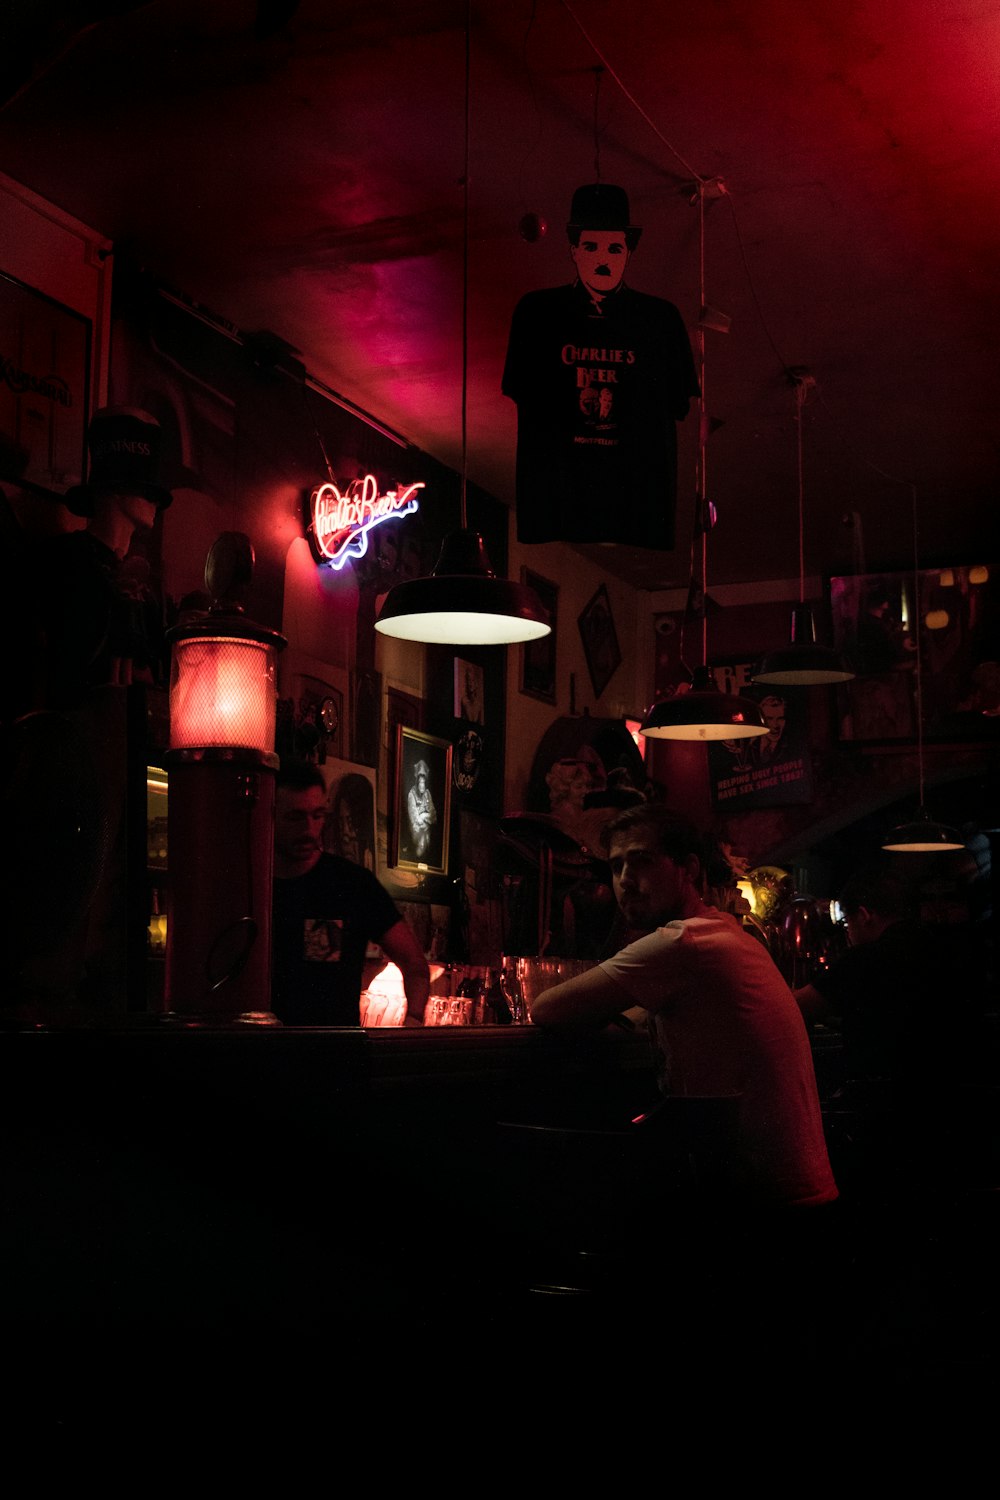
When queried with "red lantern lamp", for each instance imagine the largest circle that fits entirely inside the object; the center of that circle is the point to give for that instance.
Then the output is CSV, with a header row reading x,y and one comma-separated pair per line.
x,y
220,812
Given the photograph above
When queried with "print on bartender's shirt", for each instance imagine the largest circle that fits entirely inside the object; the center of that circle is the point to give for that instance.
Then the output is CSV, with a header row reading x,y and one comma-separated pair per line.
x,y
322,940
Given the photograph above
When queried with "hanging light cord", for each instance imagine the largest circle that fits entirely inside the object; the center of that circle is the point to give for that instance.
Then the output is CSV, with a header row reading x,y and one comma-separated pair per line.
x,y
800,401
697,601
920,673
701,516
629,96
599,69
465,268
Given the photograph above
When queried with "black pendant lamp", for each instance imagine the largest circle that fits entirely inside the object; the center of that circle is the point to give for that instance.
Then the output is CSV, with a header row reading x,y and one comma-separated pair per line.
x,y
703,712
922,835
803,663
462,602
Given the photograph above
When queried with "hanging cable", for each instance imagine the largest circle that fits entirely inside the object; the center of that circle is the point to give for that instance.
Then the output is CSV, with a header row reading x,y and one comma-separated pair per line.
x,y
465,267
701,520
919,657
628,95
800,401
598,71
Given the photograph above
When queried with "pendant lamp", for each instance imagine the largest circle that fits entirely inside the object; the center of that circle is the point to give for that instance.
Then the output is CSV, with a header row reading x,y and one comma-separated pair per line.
x,y
462,602
804,663
703,712
922,835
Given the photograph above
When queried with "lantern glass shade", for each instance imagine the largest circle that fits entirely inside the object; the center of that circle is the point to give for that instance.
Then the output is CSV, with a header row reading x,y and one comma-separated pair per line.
x,y
223,694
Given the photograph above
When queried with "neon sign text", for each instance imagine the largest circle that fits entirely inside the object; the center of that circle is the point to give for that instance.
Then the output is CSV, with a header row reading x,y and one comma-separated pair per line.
x,y
341,522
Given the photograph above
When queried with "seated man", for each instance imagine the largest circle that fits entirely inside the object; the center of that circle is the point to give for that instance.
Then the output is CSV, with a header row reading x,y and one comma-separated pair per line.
x,y
904,991
326,911
723,1017
917,1054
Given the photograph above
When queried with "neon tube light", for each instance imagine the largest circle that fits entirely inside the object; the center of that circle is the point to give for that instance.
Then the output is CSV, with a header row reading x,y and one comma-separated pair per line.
x,y
340,523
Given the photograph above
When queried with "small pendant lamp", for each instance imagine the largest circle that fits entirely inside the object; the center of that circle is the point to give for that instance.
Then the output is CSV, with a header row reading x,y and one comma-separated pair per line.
x,y
804,663
462,602
922,835
704,713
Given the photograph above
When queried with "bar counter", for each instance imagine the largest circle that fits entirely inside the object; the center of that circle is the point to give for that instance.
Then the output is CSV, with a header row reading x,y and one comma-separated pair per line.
x,y
165,1177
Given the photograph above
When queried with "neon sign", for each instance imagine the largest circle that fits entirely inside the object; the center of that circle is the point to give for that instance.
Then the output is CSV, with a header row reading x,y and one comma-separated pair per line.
x,y
340,522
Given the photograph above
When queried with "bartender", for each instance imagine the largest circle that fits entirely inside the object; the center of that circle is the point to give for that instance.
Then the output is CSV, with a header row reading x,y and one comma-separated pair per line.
x,y
326,912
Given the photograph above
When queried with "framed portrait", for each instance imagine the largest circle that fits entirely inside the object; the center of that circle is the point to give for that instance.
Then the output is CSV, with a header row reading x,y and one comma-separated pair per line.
x,y
351,822
321,709
600,640
45,396
538,658
468,691
421,802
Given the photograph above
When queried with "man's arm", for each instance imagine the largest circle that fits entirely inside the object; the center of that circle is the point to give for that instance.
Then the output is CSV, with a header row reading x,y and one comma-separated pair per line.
x,y
401,947
811,1003
590,999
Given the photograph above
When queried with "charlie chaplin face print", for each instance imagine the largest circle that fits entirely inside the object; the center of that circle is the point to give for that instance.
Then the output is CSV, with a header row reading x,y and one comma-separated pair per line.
x,y
601,257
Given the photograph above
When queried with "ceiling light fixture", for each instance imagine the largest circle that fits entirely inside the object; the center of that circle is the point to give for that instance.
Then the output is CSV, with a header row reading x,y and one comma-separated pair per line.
x,y
803,663
703,712
463,602
922,835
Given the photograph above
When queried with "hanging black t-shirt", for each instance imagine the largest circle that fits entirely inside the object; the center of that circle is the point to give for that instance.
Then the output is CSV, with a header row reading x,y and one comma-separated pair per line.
x,y
598,394
323,922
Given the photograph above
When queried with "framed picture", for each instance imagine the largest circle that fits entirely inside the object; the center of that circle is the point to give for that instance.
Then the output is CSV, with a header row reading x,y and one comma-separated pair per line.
x,y
468,695
876,617
468,762
350,826
600,640
538,658
421,802
45,396
773,770
321,708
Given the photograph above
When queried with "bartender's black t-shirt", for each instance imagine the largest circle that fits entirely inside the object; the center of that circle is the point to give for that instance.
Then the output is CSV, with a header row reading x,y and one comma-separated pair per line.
x,y
323,922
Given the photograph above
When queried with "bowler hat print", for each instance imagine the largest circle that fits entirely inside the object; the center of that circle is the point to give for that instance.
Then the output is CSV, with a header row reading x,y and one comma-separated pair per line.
x,y
124,444
601,205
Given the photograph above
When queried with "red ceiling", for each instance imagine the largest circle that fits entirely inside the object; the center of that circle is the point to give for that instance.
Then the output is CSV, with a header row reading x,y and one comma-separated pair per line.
x,y
308,182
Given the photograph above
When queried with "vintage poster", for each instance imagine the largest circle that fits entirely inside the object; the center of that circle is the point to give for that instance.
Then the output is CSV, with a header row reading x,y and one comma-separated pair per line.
x,y
772,770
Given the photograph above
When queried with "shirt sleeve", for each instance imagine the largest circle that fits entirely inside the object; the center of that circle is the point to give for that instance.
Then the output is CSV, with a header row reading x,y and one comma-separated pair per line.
x,y
381,912
648,968
512,383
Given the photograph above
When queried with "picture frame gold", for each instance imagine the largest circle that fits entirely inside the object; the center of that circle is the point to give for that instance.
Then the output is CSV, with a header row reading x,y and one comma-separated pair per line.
x,y
421,815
